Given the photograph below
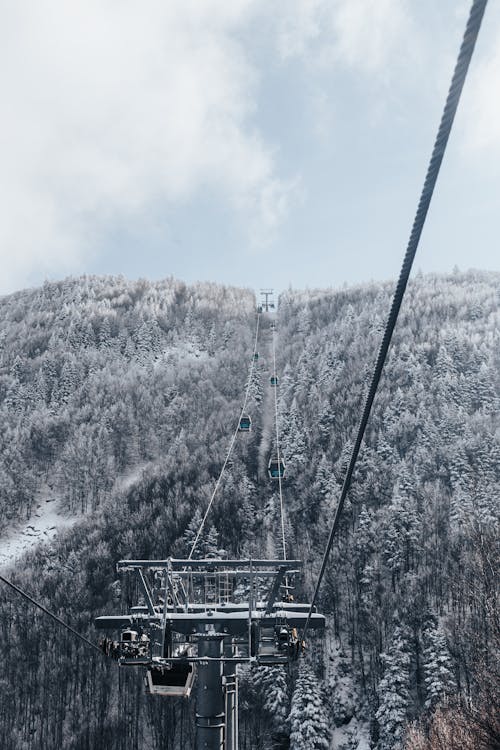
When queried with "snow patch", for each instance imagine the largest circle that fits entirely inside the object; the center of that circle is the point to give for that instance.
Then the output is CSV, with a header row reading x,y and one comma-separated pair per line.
x,y
352,736
41,527
352,730
48,519
187,350
132,476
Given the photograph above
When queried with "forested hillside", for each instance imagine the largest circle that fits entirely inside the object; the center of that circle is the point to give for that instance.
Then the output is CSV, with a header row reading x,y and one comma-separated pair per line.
x,y
119,400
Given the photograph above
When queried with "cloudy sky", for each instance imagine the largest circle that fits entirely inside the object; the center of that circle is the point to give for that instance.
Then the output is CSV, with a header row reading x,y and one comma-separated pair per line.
x,y
253,142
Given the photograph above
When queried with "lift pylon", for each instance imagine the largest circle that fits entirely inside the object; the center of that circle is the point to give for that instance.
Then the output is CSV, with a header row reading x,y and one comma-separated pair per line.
x,y
205,617
268,302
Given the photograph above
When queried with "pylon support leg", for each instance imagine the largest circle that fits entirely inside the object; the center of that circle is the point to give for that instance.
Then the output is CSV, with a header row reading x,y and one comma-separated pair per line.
x,y
210,721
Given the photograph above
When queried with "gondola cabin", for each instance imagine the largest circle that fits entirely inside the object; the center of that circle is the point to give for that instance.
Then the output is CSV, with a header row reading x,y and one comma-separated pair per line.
x,y
245,424
176,682
256,356
129,636
129,644
276,468
273,381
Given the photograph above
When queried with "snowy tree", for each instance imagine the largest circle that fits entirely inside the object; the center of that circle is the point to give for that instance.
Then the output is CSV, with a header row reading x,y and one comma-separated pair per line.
x,y
191,533
325,483
393,693
271,682
255,389
438,668
210,543
293,439
308,720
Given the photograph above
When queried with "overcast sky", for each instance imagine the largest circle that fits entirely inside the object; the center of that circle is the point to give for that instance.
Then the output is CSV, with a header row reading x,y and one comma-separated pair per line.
x,y
251,142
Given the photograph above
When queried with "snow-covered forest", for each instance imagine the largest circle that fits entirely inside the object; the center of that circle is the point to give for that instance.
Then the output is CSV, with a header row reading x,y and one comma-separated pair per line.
x,y
118,400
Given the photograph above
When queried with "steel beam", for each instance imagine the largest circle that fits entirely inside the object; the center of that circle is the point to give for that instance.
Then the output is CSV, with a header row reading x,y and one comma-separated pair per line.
x,y
235,623
146,592
190,566
231,692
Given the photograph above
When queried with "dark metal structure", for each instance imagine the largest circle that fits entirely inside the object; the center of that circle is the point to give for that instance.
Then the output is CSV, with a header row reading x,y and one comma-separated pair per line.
x,y
268,303
199,619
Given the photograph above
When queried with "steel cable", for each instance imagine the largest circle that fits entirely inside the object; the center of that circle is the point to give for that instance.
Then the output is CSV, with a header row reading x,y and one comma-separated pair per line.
x,y
278,455
50,614
455,90
231,444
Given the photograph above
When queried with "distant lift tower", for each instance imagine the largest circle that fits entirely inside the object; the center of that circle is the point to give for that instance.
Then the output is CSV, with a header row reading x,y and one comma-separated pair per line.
x,y
199,619
267,304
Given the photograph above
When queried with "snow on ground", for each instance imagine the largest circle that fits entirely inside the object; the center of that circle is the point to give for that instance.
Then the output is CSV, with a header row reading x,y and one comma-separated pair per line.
x,y
48,519
352,731
131,476
43,525
185,350
352,736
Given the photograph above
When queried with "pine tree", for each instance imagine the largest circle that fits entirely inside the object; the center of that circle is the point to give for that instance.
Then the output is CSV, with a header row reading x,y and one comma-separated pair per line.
x,y
293,439
439,679
190,534
325,483
105,333
393,694
210,543
271,683
308,720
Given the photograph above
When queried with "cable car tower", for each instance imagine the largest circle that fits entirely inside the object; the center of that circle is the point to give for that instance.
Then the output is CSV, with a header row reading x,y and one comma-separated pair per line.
x,y
197,620
268,302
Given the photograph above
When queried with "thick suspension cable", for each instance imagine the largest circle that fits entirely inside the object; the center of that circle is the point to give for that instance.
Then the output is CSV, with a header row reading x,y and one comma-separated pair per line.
x,y
278,455
50,614
232,442
453,98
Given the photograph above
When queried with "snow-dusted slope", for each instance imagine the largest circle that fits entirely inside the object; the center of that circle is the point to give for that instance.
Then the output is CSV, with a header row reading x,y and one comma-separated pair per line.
x,y
42,527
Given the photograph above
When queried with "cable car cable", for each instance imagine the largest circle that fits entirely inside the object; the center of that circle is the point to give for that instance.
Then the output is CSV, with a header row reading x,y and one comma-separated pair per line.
x,y
231,445
50,614
278,452
452,100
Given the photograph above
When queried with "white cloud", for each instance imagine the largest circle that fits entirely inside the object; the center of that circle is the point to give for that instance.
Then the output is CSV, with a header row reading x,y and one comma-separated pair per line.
x,y
481,131
370,32
297,25
112,107
362,35
344,40
109,105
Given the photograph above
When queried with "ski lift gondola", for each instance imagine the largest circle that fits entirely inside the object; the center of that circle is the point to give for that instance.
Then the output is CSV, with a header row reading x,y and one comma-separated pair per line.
x,y
129,636
129,643
276,468
245,424
174,682
274,381
256,356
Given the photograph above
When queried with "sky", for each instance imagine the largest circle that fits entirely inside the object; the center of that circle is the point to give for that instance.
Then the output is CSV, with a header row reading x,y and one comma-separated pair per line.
x,y
260,143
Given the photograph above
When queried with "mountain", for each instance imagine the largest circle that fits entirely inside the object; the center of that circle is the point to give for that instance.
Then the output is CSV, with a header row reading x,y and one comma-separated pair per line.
x,y
118,401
